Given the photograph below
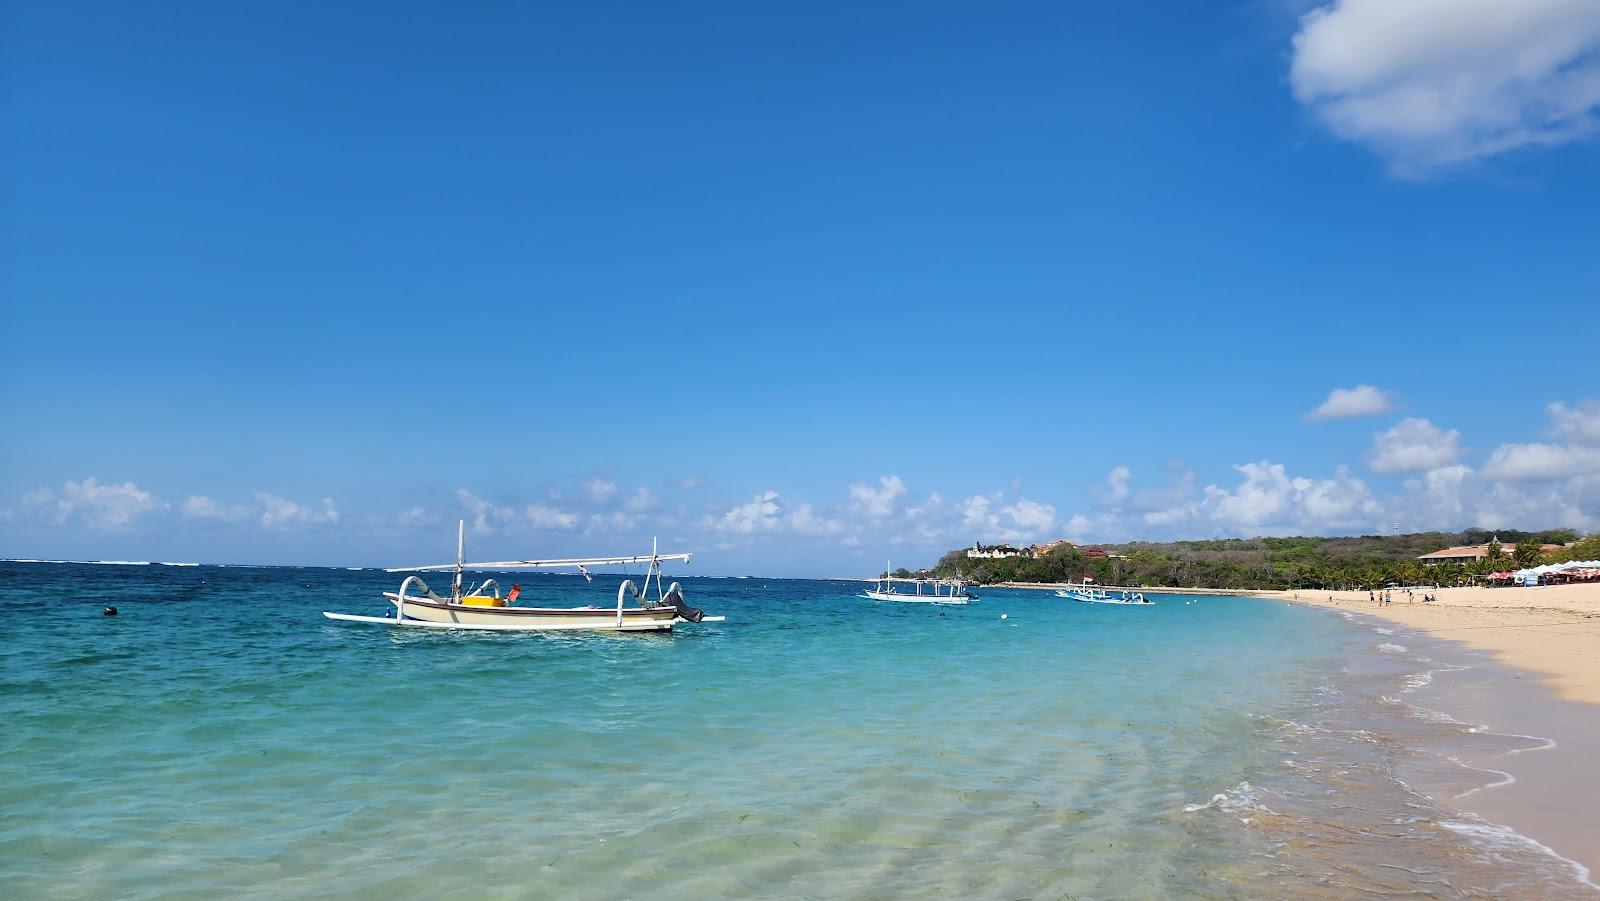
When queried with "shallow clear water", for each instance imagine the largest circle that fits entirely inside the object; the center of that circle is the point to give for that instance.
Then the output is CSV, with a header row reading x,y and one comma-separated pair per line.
x,y
221,737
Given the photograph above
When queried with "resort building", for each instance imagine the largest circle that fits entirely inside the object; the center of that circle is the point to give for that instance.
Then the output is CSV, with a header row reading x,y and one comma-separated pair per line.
x,y
1035,551
1472,553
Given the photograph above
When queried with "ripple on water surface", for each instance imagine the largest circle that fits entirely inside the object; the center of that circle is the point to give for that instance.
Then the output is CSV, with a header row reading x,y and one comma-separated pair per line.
x,y
221,737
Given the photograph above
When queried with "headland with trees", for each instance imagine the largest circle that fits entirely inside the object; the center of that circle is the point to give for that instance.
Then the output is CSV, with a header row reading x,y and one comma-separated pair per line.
x,y
1363,562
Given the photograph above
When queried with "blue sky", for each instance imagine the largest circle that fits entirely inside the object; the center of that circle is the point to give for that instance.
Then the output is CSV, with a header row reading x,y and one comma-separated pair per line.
x,y
798,287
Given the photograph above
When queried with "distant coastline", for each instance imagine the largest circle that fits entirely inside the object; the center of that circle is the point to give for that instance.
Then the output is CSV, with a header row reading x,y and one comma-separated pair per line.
x,y
1147,589
1270,563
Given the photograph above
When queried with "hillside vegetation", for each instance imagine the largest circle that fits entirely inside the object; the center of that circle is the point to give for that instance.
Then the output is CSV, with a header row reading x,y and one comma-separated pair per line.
x,y
1368,561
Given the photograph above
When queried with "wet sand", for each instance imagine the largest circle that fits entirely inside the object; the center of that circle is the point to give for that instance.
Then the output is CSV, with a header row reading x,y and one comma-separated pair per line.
x,y
1520,662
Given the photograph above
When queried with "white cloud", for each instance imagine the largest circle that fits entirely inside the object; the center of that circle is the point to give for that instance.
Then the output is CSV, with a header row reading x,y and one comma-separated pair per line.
x,y
877,502
975,512
1268,499
1118,483
106,507
280,513
806,521
1579,424
928,508
614,521
119,507
600,490
1428,83
1122,504
1506,506
487,517
1030,516
641,500
1438,499
1414,445
1024,520
1584,492
1577,460
543,516
762,514
1346,403
1538,461
1171,516
415,516
201,507
1453,497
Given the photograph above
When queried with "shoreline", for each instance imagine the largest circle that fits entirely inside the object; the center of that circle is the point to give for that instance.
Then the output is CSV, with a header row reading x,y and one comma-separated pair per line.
x,y
1478,651
1514,662
1552,632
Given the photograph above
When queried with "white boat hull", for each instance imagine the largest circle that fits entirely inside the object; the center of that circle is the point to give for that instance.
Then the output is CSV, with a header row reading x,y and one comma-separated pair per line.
x,y
957,600
579,625
503,627
431,614
633,619
1090,599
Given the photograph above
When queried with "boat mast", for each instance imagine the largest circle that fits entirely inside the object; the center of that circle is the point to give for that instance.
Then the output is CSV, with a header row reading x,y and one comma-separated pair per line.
x,y
655,567
461,550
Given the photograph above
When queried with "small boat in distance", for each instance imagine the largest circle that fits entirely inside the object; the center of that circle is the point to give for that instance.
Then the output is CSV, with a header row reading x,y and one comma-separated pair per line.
x,y
883,589
481,605
1084,594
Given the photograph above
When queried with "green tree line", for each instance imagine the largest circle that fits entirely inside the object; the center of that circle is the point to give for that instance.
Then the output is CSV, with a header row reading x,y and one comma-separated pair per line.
x,y
1364,562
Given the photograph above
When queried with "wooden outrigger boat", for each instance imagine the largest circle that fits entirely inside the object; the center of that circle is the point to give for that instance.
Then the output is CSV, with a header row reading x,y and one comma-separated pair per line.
x,y
883,589
481,605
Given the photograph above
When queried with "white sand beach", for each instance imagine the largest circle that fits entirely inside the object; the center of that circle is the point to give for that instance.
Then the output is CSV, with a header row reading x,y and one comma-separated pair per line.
x,y
1553,631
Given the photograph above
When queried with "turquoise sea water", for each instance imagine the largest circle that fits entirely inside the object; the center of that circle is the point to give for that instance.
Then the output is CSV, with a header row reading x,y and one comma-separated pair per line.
x,y
220,737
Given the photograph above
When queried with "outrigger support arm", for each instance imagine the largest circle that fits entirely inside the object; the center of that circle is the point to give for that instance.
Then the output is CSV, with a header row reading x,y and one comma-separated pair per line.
x,y
623,590
400,599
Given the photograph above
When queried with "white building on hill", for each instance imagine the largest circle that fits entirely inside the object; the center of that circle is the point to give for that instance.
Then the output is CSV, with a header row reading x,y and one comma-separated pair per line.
x,y
993,551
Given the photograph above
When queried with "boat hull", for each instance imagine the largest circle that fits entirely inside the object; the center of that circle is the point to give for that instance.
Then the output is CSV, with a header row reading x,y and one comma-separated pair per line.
x,y
634,619
957,600
1116,602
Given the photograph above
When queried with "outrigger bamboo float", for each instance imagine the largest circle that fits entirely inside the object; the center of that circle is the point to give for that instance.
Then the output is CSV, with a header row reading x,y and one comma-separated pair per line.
x,y
481,605
883,589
